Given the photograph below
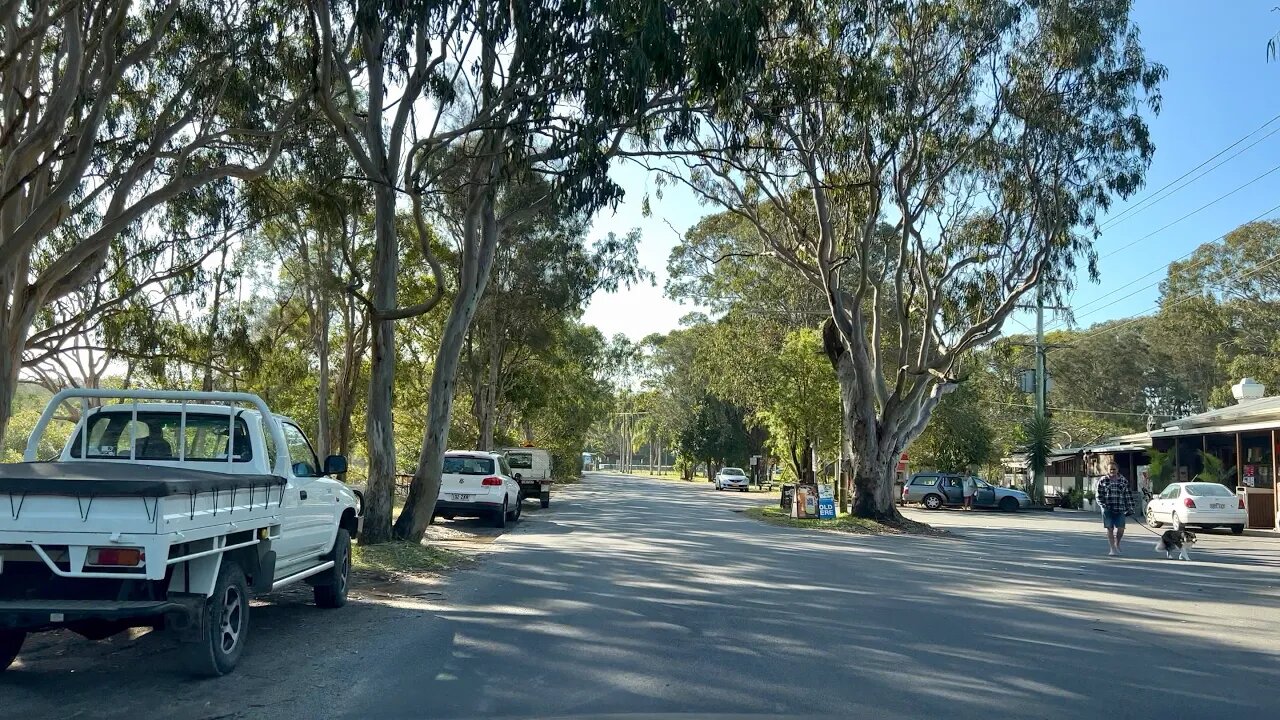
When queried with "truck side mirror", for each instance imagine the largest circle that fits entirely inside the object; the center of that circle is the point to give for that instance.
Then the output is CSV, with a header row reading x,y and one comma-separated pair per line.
x,y
335,464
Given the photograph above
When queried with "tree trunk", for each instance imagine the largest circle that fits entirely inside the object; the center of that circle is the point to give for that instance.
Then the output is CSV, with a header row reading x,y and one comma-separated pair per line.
x,y
320,336
215,312
10,363
16,317
352,357
873,457
379,426
489,411
421,503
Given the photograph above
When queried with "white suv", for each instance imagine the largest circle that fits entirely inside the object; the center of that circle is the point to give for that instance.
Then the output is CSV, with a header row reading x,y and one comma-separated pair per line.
x,y
478,484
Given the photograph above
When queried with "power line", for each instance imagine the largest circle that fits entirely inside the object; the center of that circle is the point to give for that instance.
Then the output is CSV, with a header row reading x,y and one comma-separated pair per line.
x,y
1100,298
1211,203
1135,318
1081,410
1148,201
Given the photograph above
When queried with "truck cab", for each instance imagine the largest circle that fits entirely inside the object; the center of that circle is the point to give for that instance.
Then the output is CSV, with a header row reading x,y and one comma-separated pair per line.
x,y
169,509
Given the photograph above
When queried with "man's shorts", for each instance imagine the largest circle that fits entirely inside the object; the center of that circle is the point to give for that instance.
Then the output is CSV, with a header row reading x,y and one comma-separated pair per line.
x,y
1113,520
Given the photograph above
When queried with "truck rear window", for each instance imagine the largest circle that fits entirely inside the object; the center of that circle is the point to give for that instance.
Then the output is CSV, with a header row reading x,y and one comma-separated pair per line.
x,y
156,436
520,460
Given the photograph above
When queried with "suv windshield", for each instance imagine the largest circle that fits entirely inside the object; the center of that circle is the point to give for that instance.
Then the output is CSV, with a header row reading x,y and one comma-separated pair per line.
x,y
468,465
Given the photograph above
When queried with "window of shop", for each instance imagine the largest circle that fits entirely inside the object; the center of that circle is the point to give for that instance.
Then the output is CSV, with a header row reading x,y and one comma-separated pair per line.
x,y
1256,451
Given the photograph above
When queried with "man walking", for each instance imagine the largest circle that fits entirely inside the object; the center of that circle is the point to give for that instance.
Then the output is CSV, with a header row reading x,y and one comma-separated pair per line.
x,y
1116,501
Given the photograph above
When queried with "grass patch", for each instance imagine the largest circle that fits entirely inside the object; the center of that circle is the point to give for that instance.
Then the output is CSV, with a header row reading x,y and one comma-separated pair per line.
x,y
843,523
401,557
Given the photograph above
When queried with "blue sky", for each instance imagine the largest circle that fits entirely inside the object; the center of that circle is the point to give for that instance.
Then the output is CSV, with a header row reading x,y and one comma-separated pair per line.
x,y
1220,88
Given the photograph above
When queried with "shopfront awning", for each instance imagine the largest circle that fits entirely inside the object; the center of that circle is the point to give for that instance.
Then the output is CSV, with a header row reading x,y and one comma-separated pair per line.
x,y
1215,429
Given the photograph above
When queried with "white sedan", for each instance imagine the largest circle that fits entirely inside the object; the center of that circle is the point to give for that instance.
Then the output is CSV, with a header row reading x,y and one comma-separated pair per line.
x,y
732,478
1202,504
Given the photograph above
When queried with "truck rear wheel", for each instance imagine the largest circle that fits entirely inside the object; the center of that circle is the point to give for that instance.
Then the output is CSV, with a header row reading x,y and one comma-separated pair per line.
x,y
224,625
10,643
333,592
545,499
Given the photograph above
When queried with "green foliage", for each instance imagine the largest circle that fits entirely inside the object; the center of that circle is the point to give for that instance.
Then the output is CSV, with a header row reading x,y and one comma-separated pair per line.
x,y
1075,498
716,434
1038,433
958,437
1159,468
1212,469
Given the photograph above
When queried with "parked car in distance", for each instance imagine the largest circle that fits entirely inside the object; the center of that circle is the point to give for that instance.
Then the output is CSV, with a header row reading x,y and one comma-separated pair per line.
x,y
732,478
1205,505
478,484
531,467
937,490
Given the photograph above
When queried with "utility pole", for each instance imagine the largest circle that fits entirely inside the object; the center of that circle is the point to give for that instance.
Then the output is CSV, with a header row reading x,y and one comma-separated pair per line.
x,y
1038,488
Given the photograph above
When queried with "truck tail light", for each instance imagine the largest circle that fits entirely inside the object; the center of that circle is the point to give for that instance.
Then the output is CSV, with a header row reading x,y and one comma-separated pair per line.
x,y
491,481
1188,502
115,557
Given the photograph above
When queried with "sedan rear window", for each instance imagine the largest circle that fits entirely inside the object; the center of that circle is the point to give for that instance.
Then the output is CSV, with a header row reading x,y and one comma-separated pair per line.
x,y
1208,490
468,465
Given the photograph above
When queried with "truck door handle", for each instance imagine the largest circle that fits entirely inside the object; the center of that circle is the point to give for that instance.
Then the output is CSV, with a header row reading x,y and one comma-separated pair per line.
x,y
302,494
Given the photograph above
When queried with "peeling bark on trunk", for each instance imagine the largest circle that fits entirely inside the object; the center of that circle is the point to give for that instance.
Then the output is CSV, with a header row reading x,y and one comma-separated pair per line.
x,y
872,455
9,366
379,427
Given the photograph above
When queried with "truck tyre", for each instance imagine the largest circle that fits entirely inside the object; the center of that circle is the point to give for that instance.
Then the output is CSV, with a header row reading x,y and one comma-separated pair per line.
x,y
500,516
10,644
545,499
224,625
333,592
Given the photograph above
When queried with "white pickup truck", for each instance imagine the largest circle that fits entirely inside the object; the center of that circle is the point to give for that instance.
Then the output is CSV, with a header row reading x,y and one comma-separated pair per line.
x,y
169,512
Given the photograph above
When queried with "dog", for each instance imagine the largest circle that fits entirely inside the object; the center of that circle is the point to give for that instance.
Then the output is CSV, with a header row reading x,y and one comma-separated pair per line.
x,y
1178,540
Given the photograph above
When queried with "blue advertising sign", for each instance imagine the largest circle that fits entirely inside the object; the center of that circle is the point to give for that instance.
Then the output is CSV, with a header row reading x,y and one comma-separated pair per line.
x,y
826,503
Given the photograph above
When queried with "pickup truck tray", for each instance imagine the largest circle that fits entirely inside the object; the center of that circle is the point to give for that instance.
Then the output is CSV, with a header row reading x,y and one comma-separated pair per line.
x,y
121,479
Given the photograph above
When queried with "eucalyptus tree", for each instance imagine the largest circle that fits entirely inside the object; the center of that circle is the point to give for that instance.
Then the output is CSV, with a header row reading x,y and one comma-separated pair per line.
x,y
924,164
113,109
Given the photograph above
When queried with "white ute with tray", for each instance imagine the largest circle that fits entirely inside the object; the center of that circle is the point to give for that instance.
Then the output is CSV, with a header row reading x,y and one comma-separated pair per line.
x,y
168,513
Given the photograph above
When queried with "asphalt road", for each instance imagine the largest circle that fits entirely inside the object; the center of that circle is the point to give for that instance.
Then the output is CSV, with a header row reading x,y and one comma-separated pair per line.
x,y
636,596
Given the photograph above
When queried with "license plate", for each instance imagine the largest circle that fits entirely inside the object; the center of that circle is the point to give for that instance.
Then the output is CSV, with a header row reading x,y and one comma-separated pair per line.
x,y
460,498
1217,506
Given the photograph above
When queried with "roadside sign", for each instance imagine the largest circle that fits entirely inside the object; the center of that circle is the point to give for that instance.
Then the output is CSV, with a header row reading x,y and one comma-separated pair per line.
x,y
826,503
755,460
